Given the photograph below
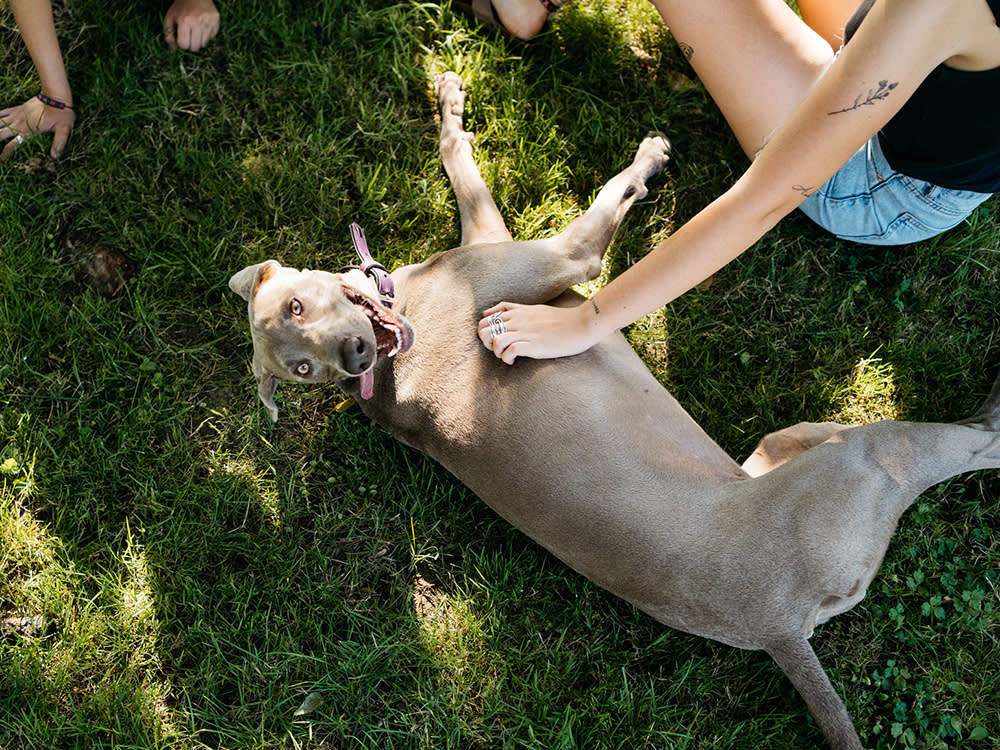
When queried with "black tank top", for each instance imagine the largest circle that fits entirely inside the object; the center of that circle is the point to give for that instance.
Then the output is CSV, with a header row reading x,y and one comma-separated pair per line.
x,y
948,132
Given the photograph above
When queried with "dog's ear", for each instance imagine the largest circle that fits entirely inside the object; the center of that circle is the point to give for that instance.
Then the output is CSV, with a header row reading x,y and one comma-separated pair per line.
x,y
267,384
246,282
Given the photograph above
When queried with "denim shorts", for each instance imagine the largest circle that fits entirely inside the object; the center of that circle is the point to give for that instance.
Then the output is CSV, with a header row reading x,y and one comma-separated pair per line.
x,y
867,201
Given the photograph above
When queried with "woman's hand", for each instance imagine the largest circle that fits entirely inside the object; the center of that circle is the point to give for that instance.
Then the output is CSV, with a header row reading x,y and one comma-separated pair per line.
x,y
539,331
31,118
190,24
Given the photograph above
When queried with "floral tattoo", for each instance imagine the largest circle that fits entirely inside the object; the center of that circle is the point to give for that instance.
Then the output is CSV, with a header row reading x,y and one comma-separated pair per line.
x,y
874,96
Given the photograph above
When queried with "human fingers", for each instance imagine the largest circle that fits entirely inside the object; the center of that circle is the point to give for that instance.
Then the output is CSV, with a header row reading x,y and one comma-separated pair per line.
x,y
505,346
12,130
499,333
10,148
196,31
170,31
60,137
197,39
183,35
210,28
511,351
11,123
499,307
493,323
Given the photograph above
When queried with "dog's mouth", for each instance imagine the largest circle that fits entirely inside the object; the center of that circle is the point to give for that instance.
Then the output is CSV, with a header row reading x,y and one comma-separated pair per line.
x,y
393,334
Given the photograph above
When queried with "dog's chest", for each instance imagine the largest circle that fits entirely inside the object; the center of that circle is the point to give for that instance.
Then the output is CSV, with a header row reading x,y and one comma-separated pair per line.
x,y
431,396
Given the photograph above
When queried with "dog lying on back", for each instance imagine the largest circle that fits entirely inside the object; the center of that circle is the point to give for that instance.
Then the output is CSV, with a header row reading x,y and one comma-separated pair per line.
x,y
589,455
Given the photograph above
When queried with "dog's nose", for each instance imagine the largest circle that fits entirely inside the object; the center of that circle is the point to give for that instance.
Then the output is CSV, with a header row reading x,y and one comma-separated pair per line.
x,y
358,355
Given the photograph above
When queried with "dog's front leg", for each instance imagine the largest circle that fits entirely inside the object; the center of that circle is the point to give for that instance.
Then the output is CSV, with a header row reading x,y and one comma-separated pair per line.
x,y
589,236
574,255
481,220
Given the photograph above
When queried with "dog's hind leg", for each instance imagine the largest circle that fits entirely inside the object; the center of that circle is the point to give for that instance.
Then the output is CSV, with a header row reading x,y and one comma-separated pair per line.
x,y
777,447
481,220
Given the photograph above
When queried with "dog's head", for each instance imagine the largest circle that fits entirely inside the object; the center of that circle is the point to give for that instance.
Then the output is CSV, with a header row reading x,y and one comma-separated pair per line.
x,y
315,326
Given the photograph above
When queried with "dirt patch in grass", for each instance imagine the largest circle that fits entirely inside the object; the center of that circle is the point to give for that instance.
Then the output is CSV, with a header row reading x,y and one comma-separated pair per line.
x,y
100,265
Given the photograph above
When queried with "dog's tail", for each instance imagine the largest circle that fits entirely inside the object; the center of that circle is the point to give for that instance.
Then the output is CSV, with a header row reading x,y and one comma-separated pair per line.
x,y
798,661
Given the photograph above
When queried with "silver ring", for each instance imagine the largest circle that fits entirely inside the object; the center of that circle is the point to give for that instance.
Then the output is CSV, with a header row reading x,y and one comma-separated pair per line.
x,y
496,324
18,139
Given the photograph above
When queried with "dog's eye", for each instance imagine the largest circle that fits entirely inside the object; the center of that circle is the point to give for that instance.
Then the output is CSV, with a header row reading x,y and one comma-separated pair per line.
x,y
303,369
295,307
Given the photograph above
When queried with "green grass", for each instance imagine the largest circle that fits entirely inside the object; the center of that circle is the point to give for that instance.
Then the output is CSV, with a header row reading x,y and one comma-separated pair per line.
x,y
192,574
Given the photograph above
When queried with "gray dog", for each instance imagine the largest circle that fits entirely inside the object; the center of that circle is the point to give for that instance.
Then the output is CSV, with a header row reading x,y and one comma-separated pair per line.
x,y
605,469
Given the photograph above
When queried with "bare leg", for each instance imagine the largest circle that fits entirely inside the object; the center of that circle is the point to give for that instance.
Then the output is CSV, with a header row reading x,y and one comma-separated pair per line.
x,y
522,18
481,220
828,18
757,59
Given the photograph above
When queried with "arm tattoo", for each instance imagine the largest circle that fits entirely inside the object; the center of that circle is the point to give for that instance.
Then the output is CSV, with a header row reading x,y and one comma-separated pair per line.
x,y
686,49
874,96
804,191
597,310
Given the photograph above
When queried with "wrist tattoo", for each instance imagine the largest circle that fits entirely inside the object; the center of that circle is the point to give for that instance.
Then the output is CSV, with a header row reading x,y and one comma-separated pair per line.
x,y
803,190
874,96
597,310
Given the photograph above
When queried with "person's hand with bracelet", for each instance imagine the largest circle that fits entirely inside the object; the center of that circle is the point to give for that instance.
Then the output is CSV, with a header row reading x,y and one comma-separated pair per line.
x,y
40,114
51,111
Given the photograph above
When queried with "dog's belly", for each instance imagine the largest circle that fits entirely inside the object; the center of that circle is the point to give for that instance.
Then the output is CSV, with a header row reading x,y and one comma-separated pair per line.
x,y
594,460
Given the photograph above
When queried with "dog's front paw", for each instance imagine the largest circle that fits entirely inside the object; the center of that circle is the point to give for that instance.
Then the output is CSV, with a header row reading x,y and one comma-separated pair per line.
x,y
451,97
653,153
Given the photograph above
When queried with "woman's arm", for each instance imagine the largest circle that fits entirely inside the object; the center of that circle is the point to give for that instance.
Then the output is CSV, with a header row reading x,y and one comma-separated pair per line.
x,y
895,49
38,30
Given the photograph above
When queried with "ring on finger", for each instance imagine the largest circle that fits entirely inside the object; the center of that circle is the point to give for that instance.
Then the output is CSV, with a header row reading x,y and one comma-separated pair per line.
x,y
18,139
496,324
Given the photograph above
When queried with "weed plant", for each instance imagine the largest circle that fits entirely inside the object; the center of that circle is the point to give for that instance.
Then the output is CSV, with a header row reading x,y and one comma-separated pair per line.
x,y
176,572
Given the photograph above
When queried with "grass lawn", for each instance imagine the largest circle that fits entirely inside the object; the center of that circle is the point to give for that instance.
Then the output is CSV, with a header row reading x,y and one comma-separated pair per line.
x,y
176,572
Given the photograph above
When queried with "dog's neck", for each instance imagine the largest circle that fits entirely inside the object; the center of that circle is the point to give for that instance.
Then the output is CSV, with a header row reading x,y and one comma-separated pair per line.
x,y
371,267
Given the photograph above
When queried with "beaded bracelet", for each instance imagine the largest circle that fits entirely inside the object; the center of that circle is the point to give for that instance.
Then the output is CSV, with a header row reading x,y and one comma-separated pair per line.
x,y
50,102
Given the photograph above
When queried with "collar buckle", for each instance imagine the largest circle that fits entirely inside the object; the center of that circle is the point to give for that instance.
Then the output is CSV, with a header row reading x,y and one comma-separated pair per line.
x,y
372,268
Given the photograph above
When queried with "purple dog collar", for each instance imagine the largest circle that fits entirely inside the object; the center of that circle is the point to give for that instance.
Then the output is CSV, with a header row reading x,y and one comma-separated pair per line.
x,y
370,266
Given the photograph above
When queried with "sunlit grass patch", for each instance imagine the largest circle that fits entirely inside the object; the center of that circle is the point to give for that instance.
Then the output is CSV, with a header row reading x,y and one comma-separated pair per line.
x,y
89,656
870,393
257,481
134,607
452,632
33,581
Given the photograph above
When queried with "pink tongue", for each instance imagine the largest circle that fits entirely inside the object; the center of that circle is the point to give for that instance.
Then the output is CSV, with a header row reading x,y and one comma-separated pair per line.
x,y
368,384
